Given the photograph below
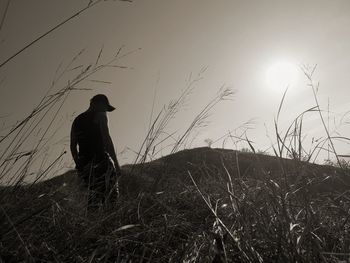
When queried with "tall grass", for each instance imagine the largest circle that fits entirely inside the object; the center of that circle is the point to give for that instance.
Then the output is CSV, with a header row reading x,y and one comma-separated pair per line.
x,y
158,134
25,144
17,155
91,3
296,213
201,205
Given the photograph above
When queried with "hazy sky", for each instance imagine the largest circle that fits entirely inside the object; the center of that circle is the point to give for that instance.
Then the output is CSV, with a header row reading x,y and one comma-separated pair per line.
x,y
239,42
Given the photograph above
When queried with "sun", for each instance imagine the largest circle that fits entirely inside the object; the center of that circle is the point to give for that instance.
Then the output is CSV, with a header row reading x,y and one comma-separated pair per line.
x,y
281,75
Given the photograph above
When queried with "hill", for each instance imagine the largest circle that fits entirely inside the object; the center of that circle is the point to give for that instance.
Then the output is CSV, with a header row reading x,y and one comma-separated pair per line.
x,y
197,205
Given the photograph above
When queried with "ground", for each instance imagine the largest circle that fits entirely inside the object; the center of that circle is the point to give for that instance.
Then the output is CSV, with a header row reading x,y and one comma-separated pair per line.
x,y
197,205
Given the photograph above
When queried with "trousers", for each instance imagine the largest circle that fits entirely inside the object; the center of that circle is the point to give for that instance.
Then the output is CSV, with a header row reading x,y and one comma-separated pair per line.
x,y
100,178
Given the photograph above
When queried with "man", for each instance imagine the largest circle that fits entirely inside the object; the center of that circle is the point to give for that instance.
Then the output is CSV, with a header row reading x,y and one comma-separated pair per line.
x,y
96,160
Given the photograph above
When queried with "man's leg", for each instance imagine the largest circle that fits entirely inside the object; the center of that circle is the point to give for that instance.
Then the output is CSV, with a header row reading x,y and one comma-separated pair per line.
x,y
108,176
87,173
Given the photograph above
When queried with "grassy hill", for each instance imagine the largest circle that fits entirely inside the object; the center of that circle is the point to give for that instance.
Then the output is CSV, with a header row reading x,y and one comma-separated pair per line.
x,y
198,205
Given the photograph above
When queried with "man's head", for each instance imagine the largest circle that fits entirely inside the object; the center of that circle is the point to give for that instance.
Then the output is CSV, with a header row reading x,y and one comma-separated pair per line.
x,y
100,102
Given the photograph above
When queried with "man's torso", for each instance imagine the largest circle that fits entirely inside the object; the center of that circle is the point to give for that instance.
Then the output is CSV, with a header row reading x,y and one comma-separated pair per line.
x,y
87,131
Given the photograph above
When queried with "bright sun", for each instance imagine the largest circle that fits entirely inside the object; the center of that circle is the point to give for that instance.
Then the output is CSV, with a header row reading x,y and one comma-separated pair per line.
x,y
282,74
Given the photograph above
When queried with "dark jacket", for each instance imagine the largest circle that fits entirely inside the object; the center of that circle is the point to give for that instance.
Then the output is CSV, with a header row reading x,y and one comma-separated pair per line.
x,y
87,132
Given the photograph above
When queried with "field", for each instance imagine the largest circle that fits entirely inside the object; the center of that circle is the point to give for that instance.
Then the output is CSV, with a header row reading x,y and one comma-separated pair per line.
x,y
192,205
196,205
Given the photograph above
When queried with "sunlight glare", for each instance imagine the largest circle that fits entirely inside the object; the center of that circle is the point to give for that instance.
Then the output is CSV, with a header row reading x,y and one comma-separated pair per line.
x,y
282,74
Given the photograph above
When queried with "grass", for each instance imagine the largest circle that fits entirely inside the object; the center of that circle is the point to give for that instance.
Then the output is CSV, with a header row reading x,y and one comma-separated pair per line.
x,y
197,205
206,205
62,23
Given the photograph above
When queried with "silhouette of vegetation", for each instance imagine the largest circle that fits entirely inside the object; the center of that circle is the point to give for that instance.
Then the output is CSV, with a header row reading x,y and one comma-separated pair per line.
x,y
193,205
199,205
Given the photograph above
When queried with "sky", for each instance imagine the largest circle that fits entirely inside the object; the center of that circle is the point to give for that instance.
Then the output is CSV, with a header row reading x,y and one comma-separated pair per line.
x,y
242,44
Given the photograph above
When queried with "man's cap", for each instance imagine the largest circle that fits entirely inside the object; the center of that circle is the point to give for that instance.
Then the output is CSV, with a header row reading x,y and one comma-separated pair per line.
x,y
102,98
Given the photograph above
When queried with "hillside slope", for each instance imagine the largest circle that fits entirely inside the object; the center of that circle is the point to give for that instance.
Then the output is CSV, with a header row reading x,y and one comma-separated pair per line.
x,y
197,205
215,163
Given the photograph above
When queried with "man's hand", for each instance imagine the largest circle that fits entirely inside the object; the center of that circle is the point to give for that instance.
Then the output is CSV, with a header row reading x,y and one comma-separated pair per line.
x,y
78,166
107,140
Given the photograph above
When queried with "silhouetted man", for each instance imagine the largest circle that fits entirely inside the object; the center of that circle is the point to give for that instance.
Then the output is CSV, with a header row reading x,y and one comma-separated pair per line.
x,y
95,160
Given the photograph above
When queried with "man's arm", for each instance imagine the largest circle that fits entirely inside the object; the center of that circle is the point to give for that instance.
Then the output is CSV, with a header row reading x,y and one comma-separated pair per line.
x,y
74,144
107,140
